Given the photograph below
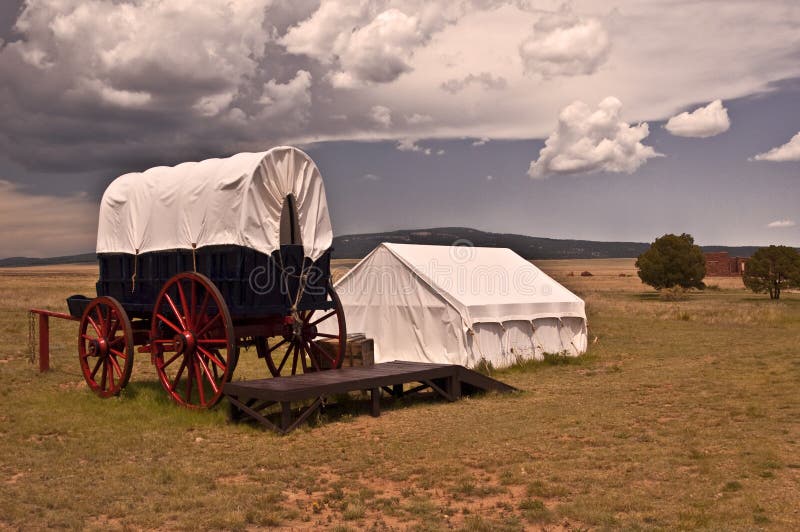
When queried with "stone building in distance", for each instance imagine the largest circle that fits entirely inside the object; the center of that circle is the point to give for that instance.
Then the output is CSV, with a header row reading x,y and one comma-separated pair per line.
x,y
720,264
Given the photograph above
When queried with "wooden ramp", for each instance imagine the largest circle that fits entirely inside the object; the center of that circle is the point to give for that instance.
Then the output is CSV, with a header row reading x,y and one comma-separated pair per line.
x,y
254,398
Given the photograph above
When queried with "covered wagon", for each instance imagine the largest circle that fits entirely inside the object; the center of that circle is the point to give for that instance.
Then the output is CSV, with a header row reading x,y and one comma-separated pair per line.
x,y
200,259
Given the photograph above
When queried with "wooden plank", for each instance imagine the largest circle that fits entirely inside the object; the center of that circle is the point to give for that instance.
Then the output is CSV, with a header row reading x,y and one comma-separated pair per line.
x,y
331,382
448,380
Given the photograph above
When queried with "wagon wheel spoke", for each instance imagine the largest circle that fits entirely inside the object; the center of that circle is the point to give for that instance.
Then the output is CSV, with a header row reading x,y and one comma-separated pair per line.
x,y
198,379
211,357
104,374
114,329
285,357
208,325
96,367
117,340
184,305
208,375
322,318
215,370
112,368
276,346
181,369
294,359
168,323
171,360
203,307
321,351
94,326
193,299
120,354
98,316
301,350
171,304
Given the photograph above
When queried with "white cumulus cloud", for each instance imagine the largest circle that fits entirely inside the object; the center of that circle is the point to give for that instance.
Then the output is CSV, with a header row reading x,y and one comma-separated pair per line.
x,y
362,47
563,44
484,80
702,122
588,141
778,224
787,152
410,144
381,115
371,42
417,118
291,99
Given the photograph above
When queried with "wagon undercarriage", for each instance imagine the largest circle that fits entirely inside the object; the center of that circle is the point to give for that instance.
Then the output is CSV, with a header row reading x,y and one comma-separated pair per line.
x,y
194,342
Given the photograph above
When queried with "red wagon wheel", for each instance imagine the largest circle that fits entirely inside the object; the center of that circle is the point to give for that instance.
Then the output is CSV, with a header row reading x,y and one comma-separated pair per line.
x,y
192,340
313,340
105,346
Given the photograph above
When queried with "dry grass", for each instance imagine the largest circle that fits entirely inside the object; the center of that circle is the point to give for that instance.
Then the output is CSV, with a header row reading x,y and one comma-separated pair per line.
x,y
683,415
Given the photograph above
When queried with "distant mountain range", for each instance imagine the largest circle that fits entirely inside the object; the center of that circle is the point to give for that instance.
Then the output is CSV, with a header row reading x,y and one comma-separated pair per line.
x,y
530,247
84,258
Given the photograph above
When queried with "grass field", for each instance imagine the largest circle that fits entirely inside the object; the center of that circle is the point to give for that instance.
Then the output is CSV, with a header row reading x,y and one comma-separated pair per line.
x,y
684,414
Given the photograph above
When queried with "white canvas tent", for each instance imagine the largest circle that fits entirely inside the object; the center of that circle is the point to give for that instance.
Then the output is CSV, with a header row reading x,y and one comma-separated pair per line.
x,y
459,305
238,201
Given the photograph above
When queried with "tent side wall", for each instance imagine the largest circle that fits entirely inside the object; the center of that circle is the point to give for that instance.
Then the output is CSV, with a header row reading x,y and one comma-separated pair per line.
x,y
407,319
504,344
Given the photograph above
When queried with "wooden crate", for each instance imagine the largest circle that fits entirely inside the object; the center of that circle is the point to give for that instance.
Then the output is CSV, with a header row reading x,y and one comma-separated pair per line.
x,y
359,350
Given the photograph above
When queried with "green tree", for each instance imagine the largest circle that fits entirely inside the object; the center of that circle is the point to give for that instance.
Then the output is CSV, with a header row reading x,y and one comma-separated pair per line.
x,y
672,261
772,269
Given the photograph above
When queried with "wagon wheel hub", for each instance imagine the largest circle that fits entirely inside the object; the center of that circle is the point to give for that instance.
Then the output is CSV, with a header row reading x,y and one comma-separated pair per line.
x,y
185,343
310,331
97,347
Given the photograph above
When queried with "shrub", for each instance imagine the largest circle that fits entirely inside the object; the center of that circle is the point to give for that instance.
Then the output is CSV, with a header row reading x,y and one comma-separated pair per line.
x,y
772,269
586,274
676,293
672,261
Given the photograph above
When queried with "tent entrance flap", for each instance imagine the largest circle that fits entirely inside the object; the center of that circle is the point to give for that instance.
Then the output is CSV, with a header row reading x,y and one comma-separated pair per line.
x,y
290,224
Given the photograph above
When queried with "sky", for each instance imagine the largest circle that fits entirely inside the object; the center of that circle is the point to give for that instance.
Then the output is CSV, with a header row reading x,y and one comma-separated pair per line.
x,y
616,121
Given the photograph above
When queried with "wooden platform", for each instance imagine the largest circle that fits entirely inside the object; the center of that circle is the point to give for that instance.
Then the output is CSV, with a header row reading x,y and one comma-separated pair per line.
x,y
253,398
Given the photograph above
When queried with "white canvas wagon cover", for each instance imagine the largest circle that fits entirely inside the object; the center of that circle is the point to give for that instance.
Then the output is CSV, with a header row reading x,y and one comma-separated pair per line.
x,y
233,201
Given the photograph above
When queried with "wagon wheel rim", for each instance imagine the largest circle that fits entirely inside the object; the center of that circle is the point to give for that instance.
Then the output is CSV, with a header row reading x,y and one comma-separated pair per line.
x,y
105,346
192,340
315,340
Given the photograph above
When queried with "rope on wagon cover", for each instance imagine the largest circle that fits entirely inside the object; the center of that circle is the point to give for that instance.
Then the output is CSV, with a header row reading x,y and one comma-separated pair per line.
x,y
194,257
303,276
135,266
